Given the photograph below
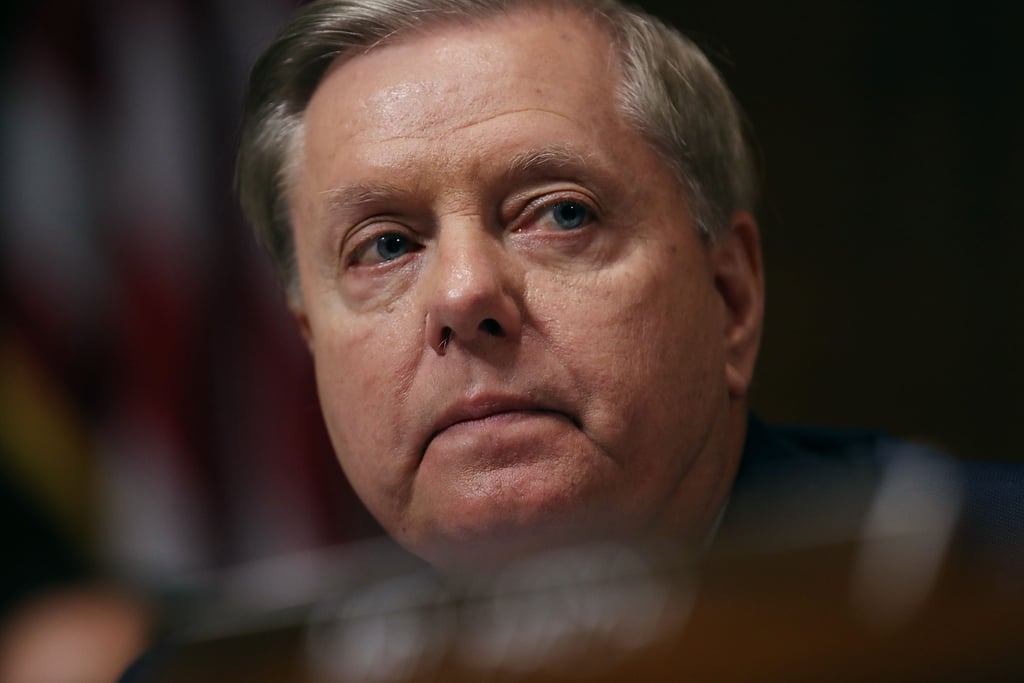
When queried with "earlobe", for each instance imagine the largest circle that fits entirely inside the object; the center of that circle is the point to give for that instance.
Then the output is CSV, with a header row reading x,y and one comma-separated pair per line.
x,y
297,308
302,320
739,279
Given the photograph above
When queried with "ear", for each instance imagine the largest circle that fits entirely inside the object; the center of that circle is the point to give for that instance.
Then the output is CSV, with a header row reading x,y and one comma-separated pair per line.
x,y
302,320
739,279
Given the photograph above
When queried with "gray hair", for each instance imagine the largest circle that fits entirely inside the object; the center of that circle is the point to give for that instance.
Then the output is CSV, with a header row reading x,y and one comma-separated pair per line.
x,y
669,92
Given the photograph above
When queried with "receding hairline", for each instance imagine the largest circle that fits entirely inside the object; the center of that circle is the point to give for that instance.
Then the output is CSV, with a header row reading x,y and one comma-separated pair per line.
x,y
484,14
436,23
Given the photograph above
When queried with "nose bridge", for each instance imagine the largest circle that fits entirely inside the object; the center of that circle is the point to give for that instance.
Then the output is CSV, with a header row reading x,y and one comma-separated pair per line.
x,y
470,295
467,262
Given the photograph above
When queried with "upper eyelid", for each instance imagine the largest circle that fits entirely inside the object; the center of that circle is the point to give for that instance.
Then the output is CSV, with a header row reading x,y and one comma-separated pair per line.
x,y
552,199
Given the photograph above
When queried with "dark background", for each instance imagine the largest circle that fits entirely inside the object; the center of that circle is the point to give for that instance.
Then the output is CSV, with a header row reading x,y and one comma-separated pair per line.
x,y
892,140
158,405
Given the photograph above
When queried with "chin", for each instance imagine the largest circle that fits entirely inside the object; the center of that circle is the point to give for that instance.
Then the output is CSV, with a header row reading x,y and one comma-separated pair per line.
x,y
488,543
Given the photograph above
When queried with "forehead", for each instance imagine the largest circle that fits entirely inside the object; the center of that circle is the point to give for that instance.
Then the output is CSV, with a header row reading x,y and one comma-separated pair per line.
x,y
458,74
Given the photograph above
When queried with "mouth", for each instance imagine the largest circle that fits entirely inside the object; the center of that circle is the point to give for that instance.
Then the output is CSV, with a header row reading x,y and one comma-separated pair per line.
x,y
484,411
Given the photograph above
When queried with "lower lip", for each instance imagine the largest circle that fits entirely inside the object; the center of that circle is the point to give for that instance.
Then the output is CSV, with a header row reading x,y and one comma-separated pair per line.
x,y
503,425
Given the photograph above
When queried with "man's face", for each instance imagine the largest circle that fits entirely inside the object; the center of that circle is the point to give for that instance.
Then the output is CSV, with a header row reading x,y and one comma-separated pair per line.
x,y
519,337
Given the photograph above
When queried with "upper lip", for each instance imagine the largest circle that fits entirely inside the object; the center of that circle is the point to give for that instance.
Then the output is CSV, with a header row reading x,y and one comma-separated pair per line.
x,y
479,407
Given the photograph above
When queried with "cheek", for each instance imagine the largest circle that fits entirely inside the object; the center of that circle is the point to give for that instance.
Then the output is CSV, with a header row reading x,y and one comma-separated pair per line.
x,y
642,349
363,371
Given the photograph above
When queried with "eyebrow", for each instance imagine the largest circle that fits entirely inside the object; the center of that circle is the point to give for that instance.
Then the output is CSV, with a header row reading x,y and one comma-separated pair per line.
x,y
547,162
352,196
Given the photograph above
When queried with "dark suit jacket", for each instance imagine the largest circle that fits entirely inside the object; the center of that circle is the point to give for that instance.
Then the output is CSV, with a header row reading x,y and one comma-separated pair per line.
x,y
803,485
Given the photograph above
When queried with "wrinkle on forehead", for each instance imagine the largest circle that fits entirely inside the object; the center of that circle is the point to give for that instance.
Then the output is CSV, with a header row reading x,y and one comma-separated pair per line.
x,y
465,125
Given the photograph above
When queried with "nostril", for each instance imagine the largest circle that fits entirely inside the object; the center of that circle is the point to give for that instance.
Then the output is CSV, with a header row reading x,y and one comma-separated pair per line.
x,y
446,336
492,327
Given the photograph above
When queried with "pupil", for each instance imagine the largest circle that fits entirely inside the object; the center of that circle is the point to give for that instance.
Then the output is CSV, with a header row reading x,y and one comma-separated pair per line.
x,y
569,215
390,246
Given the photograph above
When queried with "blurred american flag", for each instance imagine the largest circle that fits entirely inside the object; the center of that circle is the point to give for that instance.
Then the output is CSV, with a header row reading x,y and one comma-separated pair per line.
x,y
155,399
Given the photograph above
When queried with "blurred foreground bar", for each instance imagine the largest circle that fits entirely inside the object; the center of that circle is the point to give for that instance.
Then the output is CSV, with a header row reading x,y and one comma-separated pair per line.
x,y
827,611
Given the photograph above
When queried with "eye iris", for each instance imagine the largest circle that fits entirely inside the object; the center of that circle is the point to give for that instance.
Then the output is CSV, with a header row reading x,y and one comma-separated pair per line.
x,y
569,215
391,246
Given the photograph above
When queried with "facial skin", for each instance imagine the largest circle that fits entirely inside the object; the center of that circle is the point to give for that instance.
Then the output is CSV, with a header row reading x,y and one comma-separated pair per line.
x,y
519,337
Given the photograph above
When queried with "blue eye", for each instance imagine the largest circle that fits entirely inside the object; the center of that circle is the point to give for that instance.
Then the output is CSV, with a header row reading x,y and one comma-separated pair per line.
x,y
569,215
391,246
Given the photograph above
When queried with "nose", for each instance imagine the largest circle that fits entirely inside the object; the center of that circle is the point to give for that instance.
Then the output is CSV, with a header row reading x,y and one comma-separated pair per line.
x,y
471,291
